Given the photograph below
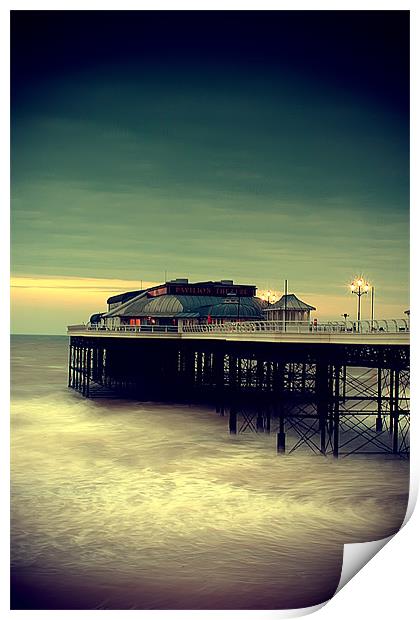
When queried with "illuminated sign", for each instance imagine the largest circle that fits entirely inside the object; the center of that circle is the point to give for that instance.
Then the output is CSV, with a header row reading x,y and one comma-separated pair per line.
x,y
213,291
207,290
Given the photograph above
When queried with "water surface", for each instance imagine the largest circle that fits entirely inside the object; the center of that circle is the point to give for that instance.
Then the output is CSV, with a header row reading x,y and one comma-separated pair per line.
x,y
128,505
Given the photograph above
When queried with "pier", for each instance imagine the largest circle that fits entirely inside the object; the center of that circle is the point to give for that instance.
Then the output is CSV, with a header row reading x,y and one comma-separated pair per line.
x,y
337,388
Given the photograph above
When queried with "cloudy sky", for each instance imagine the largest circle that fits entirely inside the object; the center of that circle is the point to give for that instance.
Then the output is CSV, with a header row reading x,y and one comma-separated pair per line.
x,y
252,146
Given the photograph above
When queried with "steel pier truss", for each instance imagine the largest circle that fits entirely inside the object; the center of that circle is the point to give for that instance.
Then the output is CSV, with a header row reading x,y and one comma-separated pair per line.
x,y
328,399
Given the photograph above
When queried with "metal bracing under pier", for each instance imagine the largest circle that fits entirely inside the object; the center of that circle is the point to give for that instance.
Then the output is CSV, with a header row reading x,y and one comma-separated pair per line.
x,y
327,398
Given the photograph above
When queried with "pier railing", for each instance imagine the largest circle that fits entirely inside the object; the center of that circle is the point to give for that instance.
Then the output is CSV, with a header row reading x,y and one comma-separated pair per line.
x,y
303,327
154,329
379,327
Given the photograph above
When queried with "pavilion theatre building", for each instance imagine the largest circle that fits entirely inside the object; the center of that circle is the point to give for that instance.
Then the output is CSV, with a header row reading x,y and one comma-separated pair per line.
x,y
180,302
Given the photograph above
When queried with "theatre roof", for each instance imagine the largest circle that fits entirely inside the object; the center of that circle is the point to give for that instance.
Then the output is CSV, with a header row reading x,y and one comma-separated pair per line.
x,y
188,306
290,302
123,297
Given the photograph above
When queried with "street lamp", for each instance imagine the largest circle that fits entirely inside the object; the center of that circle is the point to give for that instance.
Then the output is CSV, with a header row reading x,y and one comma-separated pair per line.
x,y
359,287
269,297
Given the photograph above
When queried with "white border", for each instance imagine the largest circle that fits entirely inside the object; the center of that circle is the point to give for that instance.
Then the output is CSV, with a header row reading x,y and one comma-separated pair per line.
x,y
386,587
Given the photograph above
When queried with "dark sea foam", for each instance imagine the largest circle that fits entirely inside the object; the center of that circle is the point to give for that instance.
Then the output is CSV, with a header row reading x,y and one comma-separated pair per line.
x,y
127,505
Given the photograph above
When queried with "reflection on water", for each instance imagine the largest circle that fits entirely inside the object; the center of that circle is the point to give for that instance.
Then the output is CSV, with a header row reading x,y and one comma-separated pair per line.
x,y
127,505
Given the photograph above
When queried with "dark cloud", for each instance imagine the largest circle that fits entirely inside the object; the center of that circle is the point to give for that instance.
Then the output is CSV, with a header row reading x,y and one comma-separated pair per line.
x,y
253,145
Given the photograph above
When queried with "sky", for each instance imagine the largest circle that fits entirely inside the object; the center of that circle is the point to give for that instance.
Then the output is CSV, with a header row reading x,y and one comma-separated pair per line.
x,y
253,146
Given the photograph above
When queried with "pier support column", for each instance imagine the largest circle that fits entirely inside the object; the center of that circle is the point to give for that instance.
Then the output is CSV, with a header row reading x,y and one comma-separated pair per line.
x,y
80,367
391,401
330,404
233,421
84,370
189,375
233,373
101,365
268,420
259,375
379,421
88,363
336,413
234,362
280,394
77,367
199,368
207,375
322,396
281,435
73,374
219,381
344,383
94,363
70,364
303,377
396,412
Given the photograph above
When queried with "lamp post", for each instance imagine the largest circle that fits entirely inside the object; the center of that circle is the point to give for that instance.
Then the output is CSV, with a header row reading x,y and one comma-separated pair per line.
x,y
285,304
359,287
372,311
270,297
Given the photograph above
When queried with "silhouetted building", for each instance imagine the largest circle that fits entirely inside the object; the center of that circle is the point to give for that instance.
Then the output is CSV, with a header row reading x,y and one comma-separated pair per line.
x,y
180,301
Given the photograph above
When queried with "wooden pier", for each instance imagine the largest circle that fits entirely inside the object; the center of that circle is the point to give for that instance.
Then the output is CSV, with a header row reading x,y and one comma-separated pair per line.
x,y
331,391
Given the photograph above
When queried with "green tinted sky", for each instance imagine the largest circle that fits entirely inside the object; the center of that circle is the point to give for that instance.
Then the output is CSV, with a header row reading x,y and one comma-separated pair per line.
x,y
256,167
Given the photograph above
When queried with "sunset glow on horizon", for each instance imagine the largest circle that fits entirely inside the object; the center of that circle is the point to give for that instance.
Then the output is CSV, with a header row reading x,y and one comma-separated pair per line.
x,y
47,304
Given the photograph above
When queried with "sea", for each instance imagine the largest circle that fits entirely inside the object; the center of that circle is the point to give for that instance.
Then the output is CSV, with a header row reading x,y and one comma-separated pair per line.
x,y
121,504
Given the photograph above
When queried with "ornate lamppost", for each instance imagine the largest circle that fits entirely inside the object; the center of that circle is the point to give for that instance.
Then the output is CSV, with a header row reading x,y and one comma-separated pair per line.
x,y
359,287
270,298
